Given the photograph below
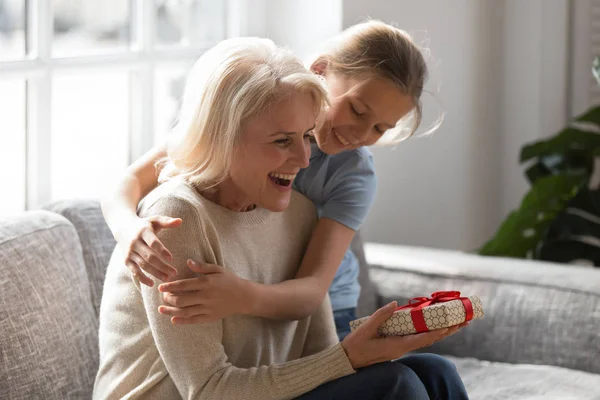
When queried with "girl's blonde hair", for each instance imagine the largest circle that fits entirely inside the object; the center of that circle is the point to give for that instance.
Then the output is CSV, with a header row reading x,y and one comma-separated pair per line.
x,y
230,83
376,49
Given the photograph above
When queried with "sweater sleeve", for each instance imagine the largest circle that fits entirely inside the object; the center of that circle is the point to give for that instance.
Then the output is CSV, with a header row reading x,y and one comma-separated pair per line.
x,y
194,355
321,332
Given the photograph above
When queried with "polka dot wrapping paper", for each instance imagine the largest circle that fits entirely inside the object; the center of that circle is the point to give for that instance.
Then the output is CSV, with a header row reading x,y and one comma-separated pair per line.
x,y
420,315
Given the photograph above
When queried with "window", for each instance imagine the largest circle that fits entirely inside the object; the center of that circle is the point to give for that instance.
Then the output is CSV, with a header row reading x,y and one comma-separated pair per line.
x,y
87,86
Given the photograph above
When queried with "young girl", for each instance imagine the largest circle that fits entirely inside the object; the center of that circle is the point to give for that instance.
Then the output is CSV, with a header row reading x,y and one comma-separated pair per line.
x,y
375,75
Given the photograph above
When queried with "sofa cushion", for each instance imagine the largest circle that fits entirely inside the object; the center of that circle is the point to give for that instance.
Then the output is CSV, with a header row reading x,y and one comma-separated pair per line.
x,y
96,240
48,344
499,381
535,312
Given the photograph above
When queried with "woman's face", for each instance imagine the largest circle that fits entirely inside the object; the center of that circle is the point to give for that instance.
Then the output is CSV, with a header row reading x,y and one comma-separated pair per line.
x,y
361,110
273,147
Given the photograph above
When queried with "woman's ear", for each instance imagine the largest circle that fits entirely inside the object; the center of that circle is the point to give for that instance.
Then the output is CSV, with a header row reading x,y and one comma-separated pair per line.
x,y
319,67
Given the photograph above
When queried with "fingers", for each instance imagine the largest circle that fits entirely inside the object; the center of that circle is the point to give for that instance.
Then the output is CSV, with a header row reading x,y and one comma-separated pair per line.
x,y
421,340
151,259
151,240
162,222
198,319
138,274
426,339
185,312
371,326
182,300
204,268
183,285
147,267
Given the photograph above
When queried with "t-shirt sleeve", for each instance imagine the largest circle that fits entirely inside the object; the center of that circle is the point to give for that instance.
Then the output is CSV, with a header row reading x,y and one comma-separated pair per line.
x,y
194,355
350,191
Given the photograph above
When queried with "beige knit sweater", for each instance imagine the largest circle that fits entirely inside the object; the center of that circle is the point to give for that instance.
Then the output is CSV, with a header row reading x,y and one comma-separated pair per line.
x,y
143,355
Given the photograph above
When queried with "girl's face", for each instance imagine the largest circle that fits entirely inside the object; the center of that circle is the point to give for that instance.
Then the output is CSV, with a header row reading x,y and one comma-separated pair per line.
x,y
362,109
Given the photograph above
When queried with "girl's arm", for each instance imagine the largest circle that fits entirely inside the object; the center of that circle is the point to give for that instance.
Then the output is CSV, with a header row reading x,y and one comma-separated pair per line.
x,y
197,300
346,201
300,297
135,235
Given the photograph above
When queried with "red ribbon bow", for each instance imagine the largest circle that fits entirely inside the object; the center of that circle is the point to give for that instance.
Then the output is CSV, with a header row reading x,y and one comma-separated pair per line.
x,y
418,303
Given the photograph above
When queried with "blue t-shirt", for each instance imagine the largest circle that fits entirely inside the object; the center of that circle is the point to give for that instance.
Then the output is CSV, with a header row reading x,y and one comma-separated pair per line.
x,y
342,186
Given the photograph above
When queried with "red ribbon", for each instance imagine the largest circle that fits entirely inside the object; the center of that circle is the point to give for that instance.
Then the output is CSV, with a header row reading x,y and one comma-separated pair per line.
x,y
418,303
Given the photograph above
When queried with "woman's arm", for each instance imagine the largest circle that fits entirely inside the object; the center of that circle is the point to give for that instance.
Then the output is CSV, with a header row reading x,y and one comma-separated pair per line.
x,y
137,236
194,356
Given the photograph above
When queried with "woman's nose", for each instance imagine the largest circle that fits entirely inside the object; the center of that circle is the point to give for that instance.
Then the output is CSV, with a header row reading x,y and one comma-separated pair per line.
x,y
301,154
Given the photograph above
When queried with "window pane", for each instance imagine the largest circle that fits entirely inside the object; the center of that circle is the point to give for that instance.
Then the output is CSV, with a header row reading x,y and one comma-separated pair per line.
x,y
12,147
12,30
90,133
189,22
90,26
169,83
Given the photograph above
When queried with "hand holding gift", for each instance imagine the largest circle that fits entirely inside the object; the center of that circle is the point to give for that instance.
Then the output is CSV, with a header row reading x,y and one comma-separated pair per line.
x,y
422,314
365,346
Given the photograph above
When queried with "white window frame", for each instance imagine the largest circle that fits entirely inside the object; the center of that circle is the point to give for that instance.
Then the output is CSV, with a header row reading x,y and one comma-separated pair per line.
x,y
140,60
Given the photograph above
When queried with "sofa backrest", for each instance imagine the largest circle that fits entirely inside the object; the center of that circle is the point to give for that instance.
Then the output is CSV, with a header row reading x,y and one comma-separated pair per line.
x,y
48,339
96,240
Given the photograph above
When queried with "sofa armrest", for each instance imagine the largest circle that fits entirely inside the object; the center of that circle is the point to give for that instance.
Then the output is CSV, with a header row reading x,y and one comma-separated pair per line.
x,y
535,312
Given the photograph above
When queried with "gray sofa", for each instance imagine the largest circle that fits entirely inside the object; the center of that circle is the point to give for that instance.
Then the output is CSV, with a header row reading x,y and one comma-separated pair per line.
x,y
540,338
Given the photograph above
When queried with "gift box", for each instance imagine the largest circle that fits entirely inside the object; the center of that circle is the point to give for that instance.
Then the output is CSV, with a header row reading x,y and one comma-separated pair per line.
x,y
422,314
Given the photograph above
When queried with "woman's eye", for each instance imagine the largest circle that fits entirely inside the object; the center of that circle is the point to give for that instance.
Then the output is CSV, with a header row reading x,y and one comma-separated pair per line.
x,y
309,134
380,131
282,142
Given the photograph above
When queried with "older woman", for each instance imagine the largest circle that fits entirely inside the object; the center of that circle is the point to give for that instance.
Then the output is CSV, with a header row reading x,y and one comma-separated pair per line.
x,y
242,135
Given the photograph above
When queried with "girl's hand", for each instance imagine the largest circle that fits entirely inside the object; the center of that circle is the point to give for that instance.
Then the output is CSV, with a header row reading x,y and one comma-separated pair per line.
x,y
217,294
143,250
364,347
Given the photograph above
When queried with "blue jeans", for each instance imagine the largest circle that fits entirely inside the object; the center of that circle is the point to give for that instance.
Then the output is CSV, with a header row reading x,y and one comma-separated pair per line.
x,y
342,321
418,376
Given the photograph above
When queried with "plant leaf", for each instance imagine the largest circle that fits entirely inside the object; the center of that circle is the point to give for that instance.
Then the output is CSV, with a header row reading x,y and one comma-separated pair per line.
x,y
522,231
568,139
537,171
575,233
573,162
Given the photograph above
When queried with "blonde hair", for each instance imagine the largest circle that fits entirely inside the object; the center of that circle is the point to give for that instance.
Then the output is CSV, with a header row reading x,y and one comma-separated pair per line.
x,y
376,49
235,80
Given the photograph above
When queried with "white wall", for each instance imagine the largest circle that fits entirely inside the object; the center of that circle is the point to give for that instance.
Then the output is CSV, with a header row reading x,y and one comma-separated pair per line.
x,y
501,86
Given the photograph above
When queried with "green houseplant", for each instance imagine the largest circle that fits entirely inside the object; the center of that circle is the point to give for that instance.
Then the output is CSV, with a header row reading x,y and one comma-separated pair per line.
x,y
559,218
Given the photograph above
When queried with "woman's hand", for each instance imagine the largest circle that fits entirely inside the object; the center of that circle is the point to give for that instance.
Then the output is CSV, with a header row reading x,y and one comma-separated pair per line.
x,y
143,250
364,347
217,294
